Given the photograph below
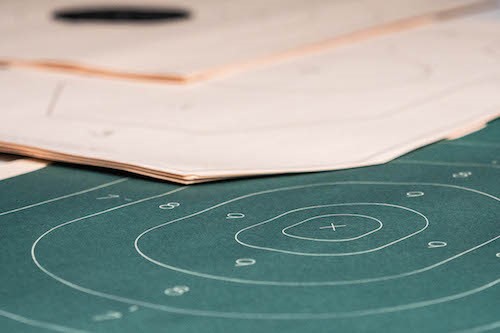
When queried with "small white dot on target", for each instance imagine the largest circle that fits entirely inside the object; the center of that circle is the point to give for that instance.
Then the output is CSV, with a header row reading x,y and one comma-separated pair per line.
x,y
462,174
176,291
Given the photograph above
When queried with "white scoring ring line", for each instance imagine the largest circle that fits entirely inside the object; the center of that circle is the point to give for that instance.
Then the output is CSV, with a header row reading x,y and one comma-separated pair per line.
x,y
333,254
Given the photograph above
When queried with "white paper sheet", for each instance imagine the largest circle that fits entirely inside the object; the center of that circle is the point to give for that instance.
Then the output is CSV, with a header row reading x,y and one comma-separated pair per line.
x,y
14,167
360,105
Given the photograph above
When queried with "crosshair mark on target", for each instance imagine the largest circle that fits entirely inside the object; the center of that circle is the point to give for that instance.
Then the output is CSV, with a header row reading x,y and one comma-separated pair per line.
x,y
353,226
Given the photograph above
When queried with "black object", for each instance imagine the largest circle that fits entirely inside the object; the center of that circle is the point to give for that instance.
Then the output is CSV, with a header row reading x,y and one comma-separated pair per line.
x,y
121,14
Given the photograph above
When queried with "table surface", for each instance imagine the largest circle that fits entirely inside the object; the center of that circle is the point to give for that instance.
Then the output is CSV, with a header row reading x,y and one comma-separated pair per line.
x,y
409,246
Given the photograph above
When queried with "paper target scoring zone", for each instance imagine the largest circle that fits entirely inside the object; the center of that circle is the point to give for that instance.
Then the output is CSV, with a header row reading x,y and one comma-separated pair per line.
x,y
367,283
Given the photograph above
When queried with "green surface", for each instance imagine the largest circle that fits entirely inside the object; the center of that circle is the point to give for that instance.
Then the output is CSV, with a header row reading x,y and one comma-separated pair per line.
x,y
413,248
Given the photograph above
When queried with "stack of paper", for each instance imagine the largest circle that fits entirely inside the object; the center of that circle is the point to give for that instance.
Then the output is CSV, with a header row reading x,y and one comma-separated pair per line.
x,y
361,104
